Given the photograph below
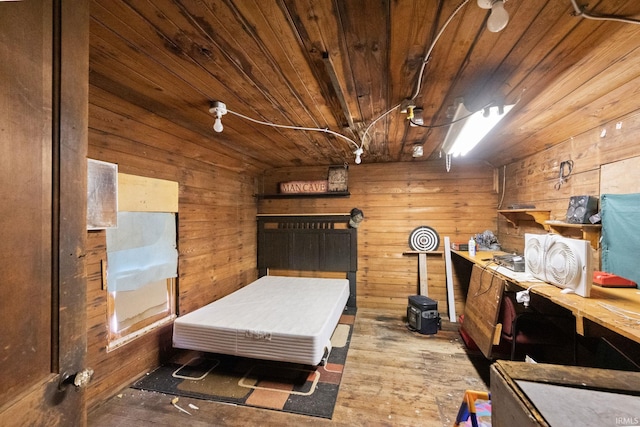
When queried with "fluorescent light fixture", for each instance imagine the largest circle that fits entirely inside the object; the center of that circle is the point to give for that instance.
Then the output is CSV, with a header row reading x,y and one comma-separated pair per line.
x,y
467,129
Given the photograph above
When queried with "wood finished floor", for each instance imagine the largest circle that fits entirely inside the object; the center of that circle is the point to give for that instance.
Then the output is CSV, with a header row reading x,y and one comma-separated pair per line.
x,y
392,377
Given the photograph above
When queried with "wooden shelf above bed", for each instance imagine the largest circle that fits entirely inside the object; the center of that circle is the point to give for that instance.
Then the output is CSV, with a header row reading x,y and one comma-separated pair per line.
x,y
303,195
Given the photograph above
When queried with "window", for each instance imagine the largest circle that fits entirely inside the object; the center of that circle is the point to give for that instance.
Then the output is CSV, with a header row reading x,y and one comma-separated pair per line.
x,y
142,258
142,264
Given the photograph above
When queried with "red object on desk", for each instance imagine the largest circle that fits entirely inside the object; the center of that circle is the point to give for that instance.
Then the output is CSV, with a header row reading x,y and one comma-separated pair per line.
x,y
460,246
610,280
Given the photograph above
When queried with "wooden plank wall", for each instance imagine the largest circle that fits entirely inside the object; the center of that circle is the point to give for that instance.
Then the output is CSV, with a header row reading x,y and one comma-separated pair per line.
x,y
532,179
216,226
396,198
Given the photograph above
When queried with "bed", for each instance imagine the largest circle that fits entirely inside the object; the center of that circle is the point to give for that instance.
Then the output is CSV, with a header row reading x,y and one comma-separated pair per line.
x,y
282,318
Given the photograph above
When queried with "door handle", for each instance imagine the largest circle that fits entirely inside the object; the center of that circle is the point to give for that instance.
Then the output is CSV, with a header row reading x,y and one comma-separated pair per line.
x,y
79,380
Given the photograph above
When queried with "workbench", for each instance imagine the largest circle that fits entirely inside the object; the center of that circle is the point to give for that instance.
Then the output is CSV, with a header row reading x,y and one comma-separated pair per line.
x,y
615,309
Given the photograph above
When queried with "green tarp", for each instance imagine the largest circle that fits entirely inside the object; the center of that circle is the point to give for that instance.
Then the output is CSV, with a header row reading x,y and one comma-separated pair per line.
x,y
621,235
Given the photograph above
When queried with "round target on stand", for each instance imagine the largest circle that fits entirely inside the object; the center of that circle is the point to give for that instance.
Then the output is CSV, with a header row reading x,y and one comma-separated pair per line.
x,y
424,239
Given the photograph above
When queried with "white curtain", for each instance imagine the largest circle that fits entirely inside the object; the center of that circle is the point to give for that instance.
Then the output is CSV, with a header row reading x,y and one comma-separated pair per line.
x,y
141,250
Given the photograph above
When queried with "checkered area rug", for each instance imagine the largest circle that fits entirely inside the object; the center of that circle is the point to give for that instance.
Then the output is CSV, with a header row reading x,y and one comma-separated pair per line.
x,y
300,389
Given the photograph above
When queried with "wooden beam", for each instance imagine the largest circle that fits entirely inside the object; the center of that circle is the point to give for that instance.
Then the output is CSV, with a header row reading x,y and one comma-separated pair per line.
x,y
336,87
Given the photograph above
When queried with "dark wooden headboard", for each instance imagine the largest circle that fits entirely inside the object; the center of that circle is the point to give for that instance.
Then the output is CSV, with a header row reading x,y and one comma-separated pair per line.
x,y
309,243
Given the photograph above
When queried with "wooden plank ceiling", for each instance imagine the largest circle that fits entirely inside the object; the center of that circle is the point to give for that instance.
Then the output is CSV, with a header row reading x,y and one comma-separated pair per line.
x,y
342,64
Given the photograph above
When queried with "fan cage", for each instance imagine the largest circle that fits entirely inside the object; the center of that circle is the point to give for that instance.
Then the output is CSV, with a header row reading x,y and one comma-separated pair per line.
x,y
534,257
562,266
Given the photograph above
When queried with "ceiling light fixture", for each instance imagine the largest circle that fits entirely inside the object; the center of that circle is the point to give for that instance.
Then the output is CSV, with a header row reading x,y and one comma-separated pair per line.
x,y
219,109
418,150
417,119
468,129
358,153
499,17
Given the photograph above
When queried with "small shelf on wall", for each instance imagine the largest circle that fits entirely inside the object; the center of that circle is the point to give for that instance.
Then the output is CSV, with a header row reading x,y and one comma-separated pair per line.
x,y
513,216
590,232
303,195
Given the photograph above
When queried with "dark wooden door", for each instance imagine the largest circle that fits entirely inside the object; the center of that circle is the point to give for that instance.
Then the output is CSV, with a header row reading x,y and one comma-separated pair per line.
x,y
43,128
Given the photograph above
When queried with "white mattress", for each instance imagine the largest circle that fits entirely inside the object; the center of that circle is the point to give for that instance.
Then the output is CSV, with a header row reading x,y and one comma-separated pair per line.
x,y
287,319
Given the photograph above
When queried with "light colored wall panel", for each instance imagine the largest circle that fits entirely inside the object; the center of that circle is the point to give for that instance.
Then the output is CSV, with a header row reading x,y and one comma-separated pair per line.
x,y
621,177
143,194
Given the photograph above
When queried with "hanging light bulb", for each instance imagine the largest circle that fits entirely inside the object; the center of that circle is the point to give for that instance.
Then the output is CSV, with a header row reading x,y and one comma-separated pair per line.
x,y
217,126
358,153
499,17
219,109
485,4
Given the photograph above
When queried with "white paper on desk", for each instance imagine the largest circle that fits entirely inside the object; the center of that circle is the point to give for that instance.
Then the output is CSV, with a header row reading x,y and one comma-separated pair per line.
x,y
518,276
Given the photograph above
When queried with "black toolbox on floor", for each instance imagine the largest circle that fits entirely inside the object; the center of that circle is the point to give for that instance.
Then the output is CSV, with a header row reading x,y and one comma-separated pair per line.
x,y
422,314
